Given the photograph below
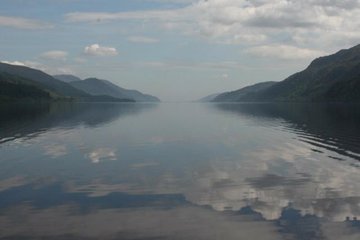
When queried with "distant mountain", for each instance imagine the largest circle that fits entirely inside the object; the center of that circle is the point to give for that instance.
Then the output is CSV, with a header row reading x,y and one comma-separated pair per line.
x,y
334,78
19,82
44,79
96,86
67,78
246,91
208,98
331,78
15,88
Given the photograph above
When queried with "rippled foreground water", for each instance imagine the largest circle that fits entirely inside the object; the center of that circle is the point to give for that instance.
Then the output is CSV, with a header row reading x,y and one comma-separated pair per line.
x,y
179,171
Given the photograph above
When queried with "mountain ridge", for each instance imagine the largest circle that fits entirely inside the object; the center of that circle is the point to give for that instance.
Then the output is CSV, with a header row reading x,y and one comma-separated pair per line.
x,y
67,78
332,78
97,86
30,81
42,78
21,82
237,94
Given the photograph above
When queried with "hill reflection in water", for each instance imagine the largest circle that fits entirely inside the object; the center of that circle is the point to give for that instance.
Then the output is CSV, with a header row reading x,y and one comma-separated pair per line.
x,y
334,127
21,120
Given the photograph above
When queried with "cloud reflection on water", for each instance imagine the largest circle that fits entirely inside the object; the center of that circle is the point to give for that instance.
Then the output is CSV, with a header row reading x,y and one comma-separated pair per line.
x,y
252,170
102,154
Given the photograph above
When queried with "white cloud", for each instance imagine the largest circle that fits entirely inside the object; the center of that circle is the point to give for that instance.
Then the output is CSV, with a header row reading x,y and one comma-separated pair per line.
x,y
50,69
55,55
285,52
135,15
141,39
23,23
326,23
30,64
17,63
344,4
97,50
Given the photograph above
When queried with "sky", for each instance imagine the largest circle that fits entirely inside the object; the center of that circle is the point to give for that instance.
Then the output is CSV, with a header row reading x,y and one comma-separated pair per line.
x,y
178,50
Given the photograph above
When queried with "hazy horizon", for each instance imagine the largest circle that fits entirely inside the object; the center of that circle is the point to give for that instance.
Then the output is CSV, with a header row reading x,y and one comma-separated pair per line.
x,y
177,50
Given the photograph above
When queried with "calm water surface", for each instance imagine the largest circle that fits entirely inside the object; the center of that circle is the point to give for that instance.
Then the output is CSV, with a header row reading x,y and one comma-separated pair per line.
x,y
179,171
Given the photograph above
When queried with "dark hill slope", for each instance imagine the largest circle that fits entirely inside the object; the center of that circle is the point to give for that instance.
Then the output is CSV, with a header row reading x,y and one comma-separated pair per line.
x,y
334,78
44,79
67,78
20,83
96,86
246,91
14,88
